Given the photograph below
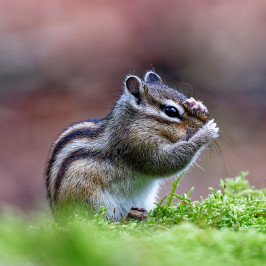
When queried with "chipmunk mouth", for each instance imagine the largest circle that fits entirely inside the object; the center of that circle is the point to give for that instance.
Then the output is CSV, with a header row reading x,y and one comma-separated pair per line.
x,y
189,134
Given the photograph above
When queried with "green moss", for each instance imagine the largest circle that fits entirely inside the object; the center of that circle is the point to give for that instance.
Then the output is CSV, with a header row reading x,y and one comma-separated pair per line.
x,y
228,227
237,205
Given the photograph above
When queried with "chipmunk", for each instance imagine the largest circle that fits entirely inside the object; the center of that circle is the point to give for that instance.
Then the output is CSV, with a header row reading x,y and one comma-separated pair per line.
x,y
152,133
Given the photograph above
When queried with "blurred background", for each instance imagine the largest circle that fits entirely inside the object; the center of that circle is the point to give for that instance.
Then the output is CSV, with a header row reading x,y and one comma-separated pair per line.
x,y
63,61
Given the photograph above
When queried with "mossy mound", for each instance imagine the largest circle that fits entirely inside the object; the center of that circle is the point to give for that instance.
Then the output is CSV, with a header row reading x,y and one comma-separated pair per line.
x,y
228,227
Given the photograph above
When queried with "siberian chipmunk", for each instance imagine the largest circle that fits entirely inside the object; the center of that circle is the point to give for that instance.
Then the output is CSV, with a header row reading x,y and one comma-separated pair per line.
x,y
152,133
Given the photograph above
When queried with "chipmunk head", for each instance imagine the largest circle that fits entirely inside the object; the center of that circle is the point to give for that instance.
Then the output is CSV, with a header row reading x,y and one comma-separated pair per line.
x,y
161,111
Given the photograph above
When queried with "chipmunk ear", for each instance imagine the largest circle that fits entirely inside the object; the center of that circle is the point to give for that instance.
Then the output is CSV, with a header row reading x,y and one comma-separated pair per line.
x,y
133,85
151,76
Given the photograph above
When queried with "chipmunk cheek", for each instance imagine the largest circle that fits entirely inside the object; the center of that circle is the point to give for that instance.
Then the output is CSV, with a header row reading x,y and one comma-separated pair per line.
x,y
181,132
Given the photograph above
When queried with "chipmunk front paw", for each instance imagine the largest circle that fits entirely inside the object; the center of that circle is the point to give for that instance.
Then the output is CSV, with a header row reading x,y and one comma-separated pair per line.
x,y
207,133
211,129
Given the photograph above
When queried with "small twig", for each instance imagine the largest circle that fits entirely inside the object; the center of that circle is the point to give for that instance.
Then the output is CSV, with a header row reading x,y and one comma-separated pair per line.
x,y
160,226
185,202
123,219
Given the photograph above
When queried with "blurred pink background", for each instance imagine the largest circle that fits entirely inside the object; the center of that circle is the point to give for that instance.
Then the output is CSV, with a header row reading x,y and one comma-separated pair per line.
x,y
63,61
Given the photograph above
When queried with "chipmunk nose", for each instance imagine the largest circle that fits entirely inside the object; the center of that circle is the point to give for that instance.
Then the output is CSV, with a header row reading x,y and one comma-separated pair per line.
x,y
195,105
196,108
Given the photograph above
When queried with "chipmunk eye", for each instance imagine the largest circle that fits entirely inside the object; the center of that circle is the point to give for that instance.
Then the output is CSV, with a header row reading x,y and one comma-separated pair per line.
x,y
171,111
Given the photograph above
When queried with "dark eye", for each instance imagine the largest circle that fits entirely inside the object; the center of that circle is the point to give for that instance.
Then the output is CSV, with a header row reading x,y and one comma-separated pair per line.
x,y
171,111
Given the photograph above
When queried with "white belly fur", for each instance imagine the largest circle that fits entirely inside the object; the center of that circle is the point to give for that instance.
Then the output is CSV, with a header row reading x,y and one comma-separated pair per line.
x,y
137,194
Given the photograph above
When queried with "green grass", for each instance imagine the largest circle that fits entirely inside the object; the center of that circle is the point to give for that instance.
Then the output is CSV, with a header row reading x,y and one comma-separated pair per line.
x,y
228,227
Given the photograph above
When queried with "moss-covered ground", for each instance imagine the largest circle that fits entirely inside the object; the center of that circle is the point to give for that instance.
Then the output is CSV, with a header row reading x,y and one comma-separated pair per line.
x,y
226,228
